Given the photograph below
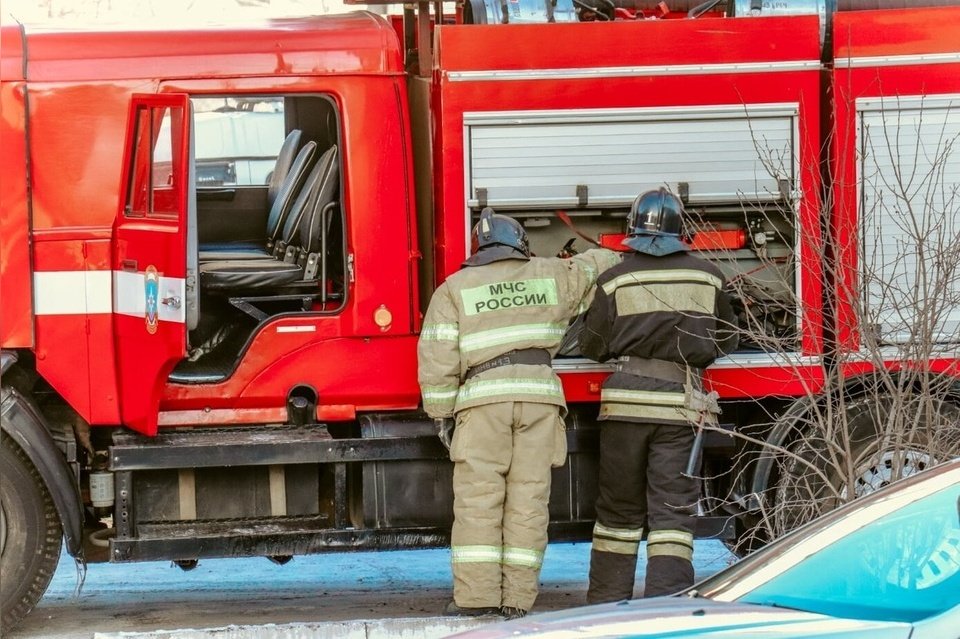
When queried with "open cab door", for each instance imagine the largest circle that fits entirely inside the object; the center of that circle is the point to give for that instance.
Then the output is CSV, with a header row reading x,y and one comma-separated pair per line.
x,y
154,290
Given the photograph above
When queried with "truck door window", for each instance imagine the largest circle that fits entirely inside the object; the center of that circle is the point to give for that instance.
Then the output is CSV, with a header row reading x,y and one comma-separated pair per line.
x,y
153,186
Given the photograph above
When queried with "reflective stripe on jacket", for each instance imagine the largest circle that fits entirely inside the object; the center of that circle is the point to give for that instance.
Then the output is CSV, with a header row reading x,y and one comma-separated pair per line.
x,y
482,312
671,308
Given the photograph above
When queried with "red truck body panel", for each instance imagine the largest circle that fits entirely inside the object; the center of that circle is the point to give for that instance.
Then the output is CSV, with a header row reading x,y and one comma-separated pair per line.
x,y
769,60
879,54
16,321
357,43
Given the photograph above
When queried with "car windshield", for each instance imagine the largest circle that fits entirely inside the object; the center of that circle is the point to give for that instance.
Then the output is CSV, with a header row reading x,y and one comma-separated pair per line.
x,y
903,566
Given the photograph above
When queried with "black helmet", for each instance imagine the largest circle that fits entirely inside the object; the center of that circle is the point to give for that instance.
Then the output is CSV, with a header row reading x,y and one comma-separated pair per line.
x,y
497,237
655,223
657,212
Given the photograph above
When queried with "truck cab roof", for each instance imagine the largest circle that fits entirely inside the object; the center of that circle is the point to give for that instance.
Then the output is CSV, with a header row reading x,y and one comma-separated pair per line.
x,y
353,43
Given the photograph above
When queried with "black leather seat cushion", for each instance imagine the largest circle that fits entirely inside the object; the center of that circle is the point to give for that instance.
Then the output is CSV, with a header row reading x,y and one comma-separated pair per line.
x,y
247,275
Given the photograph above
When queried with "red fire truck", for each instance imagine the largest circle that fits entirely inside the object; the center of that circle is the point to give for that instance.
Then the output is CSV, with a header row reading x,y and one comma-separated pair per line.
x,y
227,366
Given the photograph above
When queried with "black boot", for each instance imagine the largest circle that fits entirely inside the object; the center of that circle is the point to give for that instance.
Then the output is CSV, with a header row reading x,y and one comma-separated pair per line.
x,y
667,575
611,576
510,612
453,610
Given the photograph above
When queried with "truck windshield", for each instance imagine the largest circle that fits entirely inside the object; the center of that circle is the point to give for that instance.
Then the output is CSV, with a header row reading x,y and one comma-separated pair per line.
x,y
903,566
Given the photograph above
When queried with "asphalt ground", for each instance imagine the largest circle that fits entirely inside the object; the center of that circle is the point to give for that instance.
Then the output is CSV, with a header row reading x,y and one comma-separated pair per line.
x,y
363,594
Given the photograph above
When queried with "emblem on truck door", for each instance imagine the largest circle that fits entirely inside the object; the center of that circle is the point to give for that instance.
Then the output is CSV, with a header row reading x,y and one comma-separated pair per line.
x,y
151,293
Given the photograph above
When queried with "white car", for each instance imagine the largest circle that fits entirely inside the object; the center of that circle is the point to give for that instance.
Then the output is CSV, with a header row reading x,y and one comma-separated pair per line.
x,y
237,148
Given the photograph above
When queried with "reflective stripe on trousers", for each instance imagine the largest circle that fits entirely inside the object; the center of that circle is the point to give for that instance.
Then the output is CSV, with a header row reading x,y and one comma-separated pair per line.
x,y
672,543
494,555
476,554
624,541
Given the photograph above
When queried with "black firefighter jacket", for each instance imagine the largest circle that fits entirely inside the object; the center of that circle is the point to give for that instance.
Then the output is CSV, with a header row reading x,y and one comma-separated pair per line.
x,y
671,308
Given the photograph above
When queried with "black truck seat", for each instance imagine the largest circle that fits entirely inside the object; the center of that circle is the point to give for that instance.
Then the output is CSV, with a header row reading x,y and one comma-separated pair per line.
x,y
316,223
259,276
285,158
288,189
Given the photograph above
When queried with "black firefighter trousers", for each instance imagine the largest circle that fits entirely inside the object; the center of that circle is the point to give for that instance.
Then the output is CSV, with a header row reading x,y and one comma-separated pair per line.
x,y
642,485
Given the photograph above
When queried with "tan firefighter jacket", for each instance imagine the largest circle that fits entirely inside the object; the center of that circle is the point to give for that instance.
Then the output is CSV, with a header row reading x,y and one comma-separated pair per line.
x,y
482,312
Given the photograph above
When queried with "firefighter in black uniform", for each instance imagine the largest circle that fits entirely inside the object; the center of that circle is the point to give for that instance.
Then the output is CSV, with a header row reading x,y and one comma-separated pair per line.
x,y
664,313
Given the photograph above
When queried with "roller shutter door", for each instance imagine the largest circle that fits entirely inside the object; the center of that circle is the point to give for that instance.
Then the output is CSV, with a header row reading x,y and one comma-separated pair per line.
x,y
910,217
539,159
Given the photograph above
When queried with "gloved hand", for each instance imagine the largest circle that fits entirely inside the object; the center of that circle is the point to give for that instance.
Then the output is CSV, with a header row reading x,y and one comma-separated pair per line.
x,y
568,250
445,427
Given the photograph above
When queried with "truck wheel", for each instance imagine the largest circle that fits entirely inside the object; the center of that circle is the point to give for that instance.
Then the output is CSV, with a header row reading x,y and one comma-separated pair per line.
x,y
749,535
821,471
30,535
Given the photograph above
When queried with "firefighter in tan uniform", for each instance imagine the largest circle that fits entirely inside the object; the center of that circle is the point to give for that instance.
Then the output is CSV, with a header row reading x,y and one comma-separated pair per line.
x,y
665,314
484,356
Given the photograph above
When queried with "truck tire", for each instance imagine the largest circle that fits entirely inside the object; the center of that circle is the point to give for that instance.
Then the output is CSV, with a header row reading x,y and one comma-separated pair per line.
x,y
30,535
820,472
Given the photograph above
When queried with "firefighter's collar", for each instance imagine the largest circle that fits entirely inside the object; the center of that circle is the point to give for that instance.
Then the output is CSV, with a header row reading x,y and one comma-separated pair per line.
x,y
494,254
656,245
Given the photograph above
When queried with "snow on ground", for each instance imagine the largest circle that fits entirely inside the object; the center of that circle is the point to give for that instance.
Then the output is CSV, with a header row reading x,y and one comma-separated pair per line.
x,y
316,588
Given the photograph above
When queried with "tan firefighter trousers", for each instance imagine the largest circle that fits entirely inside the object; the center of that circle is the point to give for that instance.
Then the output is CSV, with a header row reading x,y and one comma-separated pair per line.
x,y
503,453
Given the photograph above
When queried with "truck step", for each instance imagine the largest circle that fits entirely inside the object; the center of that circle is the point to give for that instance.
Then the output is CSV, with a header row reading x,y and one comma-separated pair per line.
x,y
308,535
263,537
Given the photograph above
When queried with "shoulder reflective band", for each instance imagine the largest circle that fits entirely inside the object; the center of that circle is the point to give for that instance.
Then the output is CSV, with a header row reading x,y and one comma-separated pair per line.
x,y
500,296
661,277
